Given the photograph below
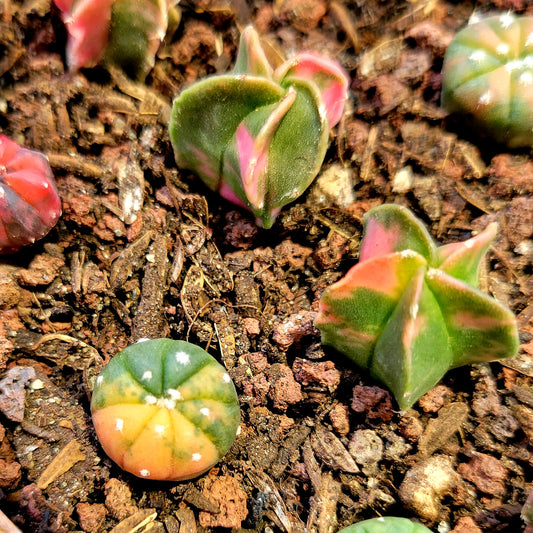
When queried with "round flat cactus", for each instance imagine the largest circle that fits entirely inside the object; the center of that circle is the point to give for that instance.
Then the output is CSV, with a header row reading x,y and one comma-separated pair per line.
x,y
488,74
386,524
165,410
29,202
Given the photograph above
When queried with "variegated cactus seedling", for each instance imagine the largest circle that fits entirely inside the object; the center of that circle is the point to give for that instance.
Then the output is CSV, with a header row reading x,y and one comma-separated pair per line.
x,y
126,33
259,135
488,74
409,310
386,524
29,202
165,410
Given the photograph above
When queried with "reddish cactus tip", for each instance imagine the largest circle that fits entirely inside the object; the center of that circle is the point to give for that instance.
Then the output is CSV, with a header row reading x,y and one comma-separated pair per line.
x,y
29,202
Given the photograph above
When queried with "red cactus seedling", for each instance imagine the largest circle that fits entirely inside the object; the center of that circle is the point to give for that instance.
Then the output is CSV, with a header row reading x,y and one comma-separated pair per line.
x,y
165,410
29,201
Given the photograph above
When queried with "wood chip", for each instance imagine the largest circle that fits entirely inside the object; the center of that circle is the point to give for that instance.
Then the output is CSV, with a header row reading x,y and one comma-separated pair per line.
x,y
323,512
440,429
331,451
62,462
135,522
6,526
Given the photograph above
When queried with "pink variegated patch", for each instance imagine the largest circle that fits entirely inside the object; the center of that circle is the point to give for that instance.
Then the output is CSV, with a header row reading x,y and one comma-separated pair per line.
x,y
378,240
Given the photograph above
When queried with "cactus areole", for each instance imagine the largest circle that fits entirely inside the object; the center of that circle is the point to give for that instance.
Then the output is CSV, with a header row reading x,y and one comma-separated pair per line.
x,y
258,135
29,202
386,524
488,75
165,410
409,310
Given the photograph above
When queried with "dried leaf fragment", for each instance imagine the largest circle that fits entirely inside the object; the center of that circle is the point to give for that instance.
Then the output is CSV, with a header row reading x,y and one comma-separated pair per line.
x,y
62,462
135,522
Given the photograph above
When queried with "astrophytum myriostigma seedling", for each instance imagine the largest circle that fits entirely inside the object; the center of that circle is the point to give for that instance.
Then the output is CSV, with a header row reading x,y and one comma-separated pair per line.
x,y
488,75
165,410
259,135
409,310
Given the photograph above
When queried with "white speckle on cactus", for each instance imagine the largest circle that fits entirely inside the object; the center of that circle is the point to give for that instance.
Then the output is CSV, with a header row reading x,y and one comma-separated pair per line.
x,y
99,379
506,19
485,98
478,56
502,49
408,253
143,339
147,375
226,378
196,457
150,399
166,403
182,357
413,310
144,472
515,65
529,40
431,273
205,411
159,429
175,394
474,18
119,424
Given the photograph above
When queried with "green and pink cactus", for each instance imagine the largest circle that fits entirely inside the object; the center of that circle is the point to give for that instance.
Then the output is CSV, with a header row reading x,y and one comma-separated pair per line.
x,y
259,135
488,74
386,524
165,410
126,33
29,202
409,311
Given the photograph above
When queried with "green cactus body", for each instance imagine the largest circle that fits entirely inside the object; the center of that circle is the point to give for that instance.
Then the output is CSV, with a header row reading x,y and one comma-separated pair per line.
x,y
488,74
165,410
409,310
259,136
386,524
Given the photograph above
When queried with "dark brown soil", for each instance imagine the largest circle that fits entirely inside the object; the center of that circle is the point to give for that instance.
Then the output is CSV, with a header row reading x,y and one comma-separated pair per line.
x,y
322,445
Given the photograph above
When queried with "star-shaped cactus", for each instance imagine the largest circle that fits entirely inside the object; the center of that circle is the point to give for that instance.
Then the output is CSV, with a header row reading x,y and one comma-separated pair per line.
x,y
259,135
386,524
409,310
29,202
165,410
488,74
126,33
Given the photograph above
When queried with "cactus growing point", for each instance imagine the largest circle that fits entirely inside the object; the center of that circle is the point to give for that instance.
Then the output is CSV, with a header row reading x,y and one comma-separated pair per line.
x,y
386,524
409,311
165,410
29,202
488,74
259,135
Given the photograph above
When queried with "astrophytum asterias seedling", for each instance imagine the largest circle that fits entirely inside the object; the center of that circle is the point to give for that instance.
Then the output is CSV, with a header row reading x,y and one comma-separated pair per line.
x,y
258,136
165,410
29,202
488,74
386,524
409,310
